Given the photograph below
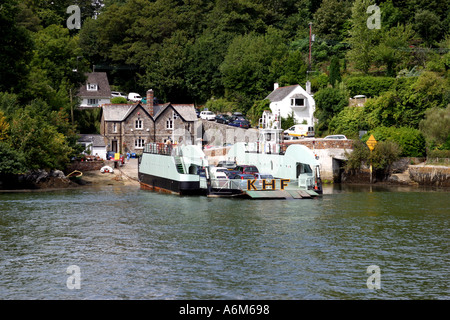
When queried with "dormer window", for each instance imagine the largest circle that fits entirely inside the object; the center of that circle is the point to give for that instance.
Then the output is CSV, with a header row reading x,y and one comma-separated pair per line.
x,y
297,102
92,87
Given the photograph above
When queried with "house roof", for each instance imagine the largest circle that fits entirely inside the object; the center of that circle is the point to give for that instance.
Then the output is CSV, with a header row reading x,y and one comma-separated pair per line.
x,y
117,112
186,111
103,89
281,93
96,139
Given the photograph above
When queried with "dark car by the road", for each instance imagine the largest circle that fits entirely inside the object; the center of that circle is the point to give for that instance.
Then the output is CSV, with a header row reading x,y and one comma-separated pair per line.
x,y
240,124
242,176
247,169
223,118
231,173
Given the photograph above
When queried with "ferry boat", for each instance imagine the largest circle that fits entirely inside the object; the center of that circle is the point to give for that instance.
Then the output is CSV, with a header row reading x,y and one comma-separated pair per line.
x,y
184,169
173,169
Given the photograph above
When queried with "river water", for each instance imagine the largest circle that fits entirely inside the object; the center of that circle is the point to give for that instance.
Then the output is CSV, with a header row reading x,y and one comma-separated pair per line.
x,y
125,243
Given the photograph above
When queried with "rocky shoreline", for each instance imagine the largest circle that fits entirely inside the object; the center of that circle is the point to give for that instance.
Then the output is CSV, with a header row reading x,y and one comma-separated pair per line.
x,y
412,175
56,179
127,175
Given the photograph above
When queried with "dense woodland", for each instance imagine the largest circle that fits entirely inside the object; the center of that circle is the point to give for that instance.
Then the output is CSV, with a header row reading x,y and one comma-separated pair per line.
x,y
226,55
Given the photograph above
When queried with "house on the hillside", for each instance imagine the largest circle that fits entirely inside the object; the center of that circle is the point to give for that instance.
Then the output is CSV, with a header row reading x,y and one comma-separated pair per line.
x,y
94,144
96,91
293,100
128,127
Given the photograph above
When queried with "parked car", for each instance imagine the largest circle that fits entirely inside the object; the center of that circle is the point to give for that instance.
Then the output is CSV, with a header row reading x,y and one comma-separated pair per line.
x,y
220,175
227,164
240,124
215,170
207,115
222,118
243,176
288,137
300,130
336,136
115,94
231,173
247,169
264,176
134,97
235,117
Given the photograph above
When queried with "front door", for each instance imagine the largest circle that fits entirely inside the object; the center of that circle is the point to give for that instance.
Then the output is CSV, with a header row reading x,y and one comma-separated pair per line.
x,y
114,146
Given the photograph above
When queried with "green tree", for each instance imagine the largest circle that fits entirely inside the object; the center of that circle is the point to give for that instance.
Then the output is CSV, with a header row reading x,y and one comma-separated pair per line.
x,y
256,111
330,19
329,102
428,25
16,47
383,156
35,135
12,162
392,49
246,71
335,71
361,39
410,140
436,127
349,122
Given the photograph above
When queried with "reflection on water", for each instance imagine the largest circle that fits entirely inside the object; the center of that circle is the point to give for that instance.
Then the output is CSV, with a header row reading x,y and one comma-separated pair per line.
x,y
133,244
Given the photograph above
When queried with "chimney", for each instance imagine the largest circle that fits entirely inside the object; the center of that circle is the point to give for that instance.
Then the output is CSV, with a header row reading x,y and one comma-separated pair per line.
x,y
275,86
150,101
308,87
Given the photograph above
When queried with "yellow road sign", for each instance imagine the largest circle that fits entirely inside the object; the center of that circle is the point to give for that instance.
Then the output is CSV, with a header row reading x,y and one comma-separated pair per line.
x,y
371,143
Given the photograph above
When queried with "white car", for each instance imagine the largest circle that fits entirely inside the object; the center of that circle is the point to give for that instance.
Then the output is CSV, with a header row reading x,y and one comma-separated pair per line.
x,y
336,136
134,97
115,94
207,115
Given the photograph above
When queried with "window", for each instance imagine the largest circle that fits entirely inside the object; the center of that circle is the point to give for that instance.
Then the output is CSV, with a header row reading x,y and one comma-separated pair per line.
x,y
115,127
169,124
297,102
92,87
138,124
139,143
92,101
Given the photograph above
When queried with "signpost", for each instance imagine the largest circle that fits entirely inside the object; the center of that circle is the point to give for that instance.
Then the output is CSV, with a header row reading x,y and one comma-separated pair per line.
x,y
371,143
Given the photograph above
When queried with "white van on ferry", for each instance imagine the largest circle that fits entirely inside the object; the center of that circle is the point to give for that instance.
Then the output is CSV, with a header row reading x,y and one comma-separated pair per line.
x,y
300,130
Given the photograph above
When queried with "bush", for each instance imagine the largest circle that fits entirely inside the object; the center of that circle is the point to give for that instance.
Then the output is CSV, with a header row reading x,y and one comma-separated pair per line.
x,y
329,102
436,127
411,141
349,122
119,100
220,105
384,155
358,157
368,86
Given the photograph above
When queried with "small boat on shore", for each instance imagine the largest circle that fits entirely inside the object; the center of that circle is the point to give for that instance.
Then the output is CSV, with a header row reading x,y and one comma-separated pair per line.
x,y
75,175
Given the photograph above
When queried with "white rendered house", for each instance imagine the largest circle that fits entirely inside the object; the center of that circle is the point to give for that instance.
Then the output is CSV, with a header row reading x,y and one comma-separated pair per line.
x,y
293,100
96,91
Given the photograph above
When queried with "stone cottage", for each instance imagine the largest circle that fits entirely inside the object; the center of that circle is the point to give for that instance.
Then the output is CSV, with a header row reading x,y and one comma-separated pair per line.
x,y
128,127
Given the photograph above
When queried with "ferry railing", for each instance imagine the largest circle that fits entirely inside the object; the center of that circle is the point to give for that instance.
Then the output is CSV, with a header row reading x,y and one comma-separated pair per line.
x,y
159,148
237,184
